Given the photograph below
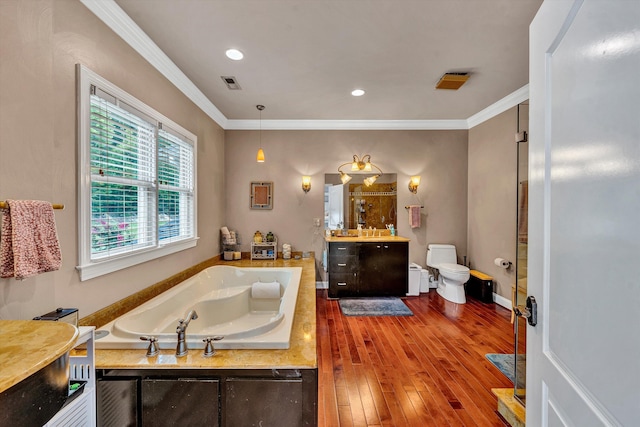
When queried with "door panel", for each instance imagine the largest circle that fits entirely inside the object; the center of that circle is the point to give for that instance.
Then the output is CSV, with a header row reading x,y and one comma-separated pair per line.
x,y
584,195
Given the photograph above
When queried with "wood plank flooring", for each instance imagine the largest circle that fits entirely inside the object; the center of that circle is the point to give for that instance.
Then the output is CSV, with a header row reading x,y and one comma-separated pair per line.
x,y
428,369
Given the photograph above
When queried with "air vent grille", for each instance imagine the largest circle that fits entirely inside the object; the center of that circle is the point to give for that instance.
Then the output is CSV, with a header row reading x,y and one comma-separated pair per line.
x,y
231,82
452,81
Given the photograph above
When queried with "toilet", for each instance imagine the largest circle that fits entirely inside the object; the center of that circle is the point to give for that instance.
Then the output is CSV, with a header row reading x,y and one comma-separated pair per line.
x,y
451,275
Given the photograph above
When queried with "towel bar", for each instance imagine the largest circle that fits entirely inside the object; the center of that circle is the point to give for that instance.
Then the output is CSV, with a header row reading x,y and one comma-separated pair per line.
x,y
4,205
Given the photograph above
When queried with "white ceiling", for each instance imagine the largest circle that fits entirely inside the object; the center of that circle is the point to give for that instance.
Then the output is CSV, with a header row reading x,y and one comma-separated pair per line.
x,y
304,57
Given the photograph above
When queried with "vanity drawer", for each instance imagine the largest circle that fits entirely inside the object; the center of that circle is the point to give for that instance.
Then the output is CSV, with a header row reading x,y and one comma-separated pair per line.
x,y
343,264
340,249
343,284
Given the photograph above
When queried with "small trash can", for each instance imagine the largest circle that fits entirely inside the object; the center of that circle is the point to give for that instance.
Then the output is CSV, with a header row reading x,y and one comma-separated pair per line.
x,y
426,281
414,279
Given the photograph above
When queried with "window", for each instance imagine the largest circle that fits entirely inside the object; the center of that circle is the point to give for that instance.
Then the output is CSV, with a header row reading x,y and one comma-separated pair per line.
x,y
136,180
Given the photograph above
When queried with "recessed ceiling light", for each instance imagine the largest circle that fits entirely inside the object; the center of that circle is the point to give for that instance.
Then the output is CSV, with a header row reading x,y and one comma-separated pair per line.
x,y
234,54
357,92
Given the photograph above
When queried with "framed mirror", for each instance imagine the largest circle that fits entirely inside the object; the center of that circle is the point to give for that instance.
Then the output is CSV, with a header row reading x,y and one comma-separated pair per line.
x,y
347,205
261,195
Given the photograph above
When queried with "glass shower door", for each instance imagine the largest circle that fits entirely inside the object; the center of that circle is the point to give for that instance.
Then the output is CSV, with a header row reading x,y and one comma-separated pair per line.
x,y
520,287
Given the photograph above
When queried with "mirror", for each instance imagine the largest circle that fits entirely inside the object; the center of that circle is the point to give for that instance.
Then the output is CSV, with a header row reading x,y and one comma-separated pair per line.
x,y
347,205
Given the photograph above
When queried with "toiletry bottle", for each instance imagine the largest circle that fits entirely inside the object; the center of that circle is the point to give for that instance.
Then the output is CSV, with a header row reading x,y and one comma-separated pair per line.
x,y
359,230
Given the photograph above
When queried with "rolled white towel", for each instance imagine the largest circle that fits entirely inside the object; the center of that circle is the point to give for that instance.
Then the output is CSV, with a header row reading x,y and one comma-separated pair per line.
x,y
265,290
225,232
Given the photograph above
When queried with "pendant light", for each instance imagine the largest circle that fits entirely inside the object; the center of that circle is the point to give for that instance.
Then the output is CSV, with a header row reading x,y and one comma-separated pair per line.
x,y
260,156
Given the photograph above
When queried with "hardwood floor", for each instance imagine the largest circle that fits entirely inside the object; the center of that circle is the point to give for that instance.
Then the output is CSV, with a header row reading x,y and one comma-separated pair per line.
x,y
428,369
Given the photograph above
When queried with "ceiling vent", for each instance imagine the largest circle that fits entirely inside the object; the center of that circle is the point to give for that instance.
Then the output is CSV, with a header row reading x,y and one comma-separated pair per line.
x,y
452,81
231,82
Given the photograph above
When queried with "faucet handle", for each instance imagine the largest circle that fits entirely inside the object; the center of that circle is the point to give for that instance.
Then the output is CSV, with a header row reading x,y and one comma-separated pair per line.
x,y
208,348
153,348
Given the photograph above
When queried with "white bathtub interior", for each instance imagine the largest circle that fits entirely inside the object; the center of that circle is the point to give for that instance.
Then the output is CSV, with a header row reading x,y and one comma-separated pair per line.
x,y
221,296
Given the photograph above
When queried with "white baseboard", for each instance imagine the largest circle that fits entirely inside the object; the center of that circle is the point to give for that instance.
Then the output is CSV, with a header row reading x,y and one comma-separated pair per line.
x,y
500,300
322,285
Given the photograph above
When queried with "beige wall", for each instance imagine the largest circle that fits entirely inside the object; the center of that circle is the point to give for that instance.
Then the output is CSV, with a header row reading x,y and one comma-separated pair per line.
x,y
492,197
440,157
41,43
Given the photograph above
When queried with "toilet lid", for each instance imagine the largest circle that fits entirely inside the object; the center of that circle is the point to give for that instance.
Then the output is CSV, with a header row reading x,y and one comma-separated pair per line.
x,y
453,268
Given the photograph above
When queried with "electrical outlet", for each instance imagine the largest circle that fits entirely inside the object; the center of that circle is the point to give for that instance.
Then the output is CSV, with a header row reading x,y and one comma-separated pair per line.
x,y
316,222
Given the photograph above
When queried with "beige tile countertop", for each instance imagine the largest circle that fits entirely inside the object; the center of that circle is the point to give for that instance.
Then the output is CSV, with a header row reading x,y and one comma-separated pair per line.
x,y
26,346
352,238
300,355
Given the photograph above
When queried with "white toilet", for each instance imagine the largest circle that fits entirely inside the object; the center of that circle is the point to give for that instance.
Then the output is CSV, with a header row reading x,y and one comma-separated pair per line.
x,y
451,275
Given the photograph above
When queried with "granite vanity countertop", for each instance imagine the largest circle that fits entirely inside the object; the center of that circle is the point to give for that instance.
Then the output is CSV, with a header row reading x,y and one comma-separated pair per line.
x,y
300,355
26,346
355,238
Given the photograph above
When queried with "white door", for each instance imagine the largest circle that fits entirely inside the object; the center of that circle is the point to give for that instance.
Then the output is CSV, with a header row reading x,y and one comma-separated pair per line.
x,y
583,357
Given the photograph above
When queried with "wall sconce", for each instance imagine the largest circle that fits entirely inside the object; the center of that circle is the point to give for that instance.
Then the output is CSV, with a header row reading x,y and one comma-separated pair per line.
x,y
306,184
360,165
414,183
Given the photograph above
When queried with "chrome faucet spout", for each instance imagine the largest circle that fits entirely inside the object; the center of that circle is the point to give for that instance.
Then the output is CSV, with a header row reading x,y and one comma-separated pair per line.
x,y
183,323
181,330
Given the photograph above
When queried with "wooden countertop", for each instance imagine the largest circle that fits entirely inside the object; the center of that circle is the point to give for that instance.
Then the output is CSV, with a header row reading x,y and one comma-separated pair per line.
x,y
26,346
300,355
366,239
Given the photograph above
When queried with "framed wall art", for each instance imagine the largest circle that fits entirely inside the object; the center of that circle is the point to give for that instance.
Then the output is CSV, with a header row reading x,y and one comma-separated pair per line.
x,y
261,195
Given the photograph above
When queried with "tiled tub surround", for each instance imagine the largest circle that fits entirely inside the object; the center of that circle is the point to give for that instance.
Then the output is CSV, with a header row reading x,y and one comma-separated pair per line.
x,y
222,297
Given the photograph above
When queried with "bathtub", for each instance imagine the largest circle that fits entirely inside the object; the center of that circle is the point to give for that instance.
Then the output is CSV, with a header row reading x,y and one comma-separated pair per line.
x,y
221,296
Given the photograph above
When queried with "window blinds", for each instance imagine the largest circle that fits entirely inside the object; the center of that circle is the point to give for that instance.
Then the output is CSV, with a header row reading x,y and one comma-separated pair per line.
x,y
142,180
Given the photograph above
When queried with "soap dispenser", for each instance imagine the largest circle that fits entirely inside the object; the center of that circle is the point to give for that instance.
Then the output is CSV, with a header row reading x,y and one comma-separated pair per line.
x,y
359,230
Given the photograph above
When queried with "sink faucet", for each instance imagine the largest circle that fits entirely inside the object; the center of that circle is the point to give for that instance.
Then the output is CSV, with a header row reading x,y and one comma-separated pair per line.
x,y
181,330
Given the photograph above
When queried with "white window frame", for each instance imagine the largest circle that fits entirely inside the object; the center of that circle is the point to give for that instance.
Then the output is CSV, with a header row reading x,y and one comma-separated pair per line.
x,y
87,267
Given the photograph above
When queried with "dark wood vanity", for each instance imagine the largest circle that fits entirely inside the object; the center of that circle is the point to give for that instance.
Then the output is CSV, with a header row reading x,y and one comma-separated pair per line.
x,y
367,266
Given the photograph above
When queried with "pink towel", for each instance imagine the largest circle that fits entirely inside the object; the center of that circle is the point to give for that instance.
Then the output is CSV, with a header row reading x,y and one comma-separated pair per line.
x,y
414,216
28,239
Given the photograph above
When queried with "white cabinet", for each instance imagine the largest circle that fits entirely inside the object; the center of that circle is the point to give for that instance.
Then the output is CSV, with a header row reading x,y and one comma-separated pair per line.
x,y
80,410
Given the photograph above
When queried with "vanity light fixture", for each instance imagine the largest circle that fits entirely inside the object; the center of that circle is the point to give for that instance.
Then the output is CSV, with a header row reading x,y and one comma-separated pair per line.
x,y
306,183
344,177
260,156
414,182
360,165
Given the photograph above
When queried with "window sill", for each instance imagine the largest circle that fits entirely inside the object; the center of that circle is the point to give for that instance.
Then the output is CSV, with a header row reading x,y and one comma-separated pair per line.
x,y
96,269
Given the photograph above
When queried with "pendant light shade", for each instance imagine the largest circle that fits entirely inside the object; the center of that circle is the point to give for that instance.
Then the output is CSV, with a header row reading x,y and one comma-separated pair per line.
x,y
260,155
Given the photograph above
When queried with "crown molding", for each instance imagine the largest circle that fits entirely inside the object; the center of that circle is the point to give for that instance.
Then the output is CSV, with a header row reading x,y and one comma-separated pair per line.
x,y
116,19
347,125
500,106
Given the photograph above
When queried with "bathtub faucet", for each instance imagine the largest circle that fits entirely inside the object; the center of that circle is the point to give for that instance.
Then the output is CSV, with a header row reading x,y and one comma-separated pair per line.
x,y
181,330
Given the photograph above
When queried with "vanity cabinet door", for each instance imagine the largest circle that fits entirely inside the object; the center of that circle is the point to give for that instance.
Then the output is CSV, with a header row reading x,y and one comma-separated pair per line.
x,y
263,402
187,402
397,276
384,269
117,402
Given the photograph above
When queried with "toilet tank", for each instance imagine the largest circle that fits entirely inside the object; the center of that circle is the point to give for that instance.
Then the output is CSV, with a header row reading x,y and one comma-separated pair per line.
x,y
439,254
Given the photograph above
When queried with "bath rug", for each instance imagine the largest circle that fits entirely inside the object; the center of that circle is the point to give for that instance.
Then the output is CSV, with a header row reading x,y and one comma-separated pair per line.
x,y
386,306
505,363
